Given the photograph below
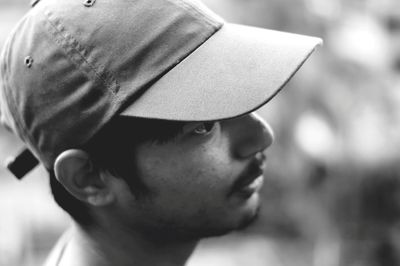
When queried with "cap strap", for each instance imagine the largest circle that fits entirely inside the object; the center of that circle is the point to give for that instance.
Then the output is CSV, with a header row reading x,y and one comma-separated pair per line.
x,y
22,164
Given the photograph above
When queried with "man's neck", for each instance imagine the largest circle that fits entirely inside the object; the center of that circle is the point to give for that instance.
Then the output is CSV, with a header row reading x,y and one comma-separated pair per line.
x,y
122,248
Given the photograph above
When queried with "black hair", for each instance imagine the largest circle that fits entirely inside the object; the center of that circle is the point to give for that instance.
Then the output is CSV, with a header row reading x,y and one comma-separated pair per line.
x,y
112,148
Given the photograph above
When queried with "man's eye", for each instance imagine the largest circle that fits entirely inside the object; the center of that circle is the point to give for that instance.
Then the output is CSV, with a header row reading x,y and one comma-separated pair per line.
x,y
204,128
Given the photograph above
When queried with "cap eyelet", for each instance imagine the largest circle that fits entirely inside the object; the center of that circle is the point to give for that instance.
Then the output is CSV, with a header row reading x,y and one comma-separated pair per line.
x,y
89,3
28,61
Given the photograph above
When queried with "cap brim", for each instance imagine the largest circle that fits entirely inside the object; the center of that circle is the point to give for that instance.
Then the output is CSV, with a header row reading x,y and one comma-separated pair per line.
x,y
234,72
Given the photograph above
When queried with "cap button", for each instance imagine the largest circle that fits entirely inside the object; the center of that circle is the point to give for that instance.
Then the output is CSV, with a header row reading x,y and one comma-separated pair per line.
x,y
89,3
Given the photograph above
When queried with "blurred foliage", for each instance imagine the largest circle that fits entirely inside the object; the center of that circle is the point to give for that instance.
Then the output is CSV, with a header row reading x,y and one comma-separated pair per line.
x,y
332,186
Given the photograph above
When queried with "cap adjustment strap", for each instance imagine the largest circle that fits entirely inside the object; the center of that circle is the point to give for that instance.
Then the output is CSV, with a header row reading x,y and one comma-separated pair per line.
x,y
22,164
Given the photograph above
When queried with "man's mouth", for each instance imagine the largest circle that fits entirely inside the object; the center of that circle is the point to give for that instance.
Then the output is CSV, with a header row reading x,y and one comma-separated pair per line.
x,y
254,186
251,180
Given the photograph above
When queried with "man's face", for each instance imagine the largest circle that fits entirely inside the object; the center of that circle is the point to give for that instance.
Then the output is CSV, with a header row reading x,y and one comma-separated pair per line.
x,y
204,182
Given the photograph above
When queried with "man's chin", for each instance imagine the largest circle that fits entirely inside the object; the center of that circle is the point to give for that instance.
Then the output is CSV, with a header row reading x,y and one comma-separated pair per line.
x,y
220,228
245,221
249,219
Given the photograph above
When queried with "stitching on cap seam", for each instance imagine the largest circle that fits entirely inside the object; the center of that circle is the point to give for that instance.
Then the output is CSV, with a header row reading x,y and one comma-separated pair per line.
x,y
74,50
61,41
68,41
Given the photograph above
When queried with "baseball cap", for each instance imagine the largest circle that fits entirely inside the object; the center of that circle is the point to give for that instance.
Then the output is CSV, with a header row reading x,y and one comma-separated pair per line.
x,y
70,66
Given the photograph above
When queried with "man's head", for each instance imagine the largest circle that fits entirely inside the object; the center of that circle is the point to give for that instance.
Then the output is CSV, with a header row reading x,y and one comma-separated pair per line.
x,y
72,71
183,179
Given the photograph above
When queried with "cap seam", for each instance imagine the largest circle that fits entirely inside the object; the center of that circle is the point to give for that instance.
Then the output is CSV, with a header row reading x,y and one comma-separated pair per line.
x,y
76,53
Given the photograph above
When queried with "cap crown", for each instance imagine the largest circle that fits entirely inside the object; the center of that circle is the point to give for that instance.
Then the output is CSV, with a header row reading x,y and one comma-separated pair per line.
x,y
69,67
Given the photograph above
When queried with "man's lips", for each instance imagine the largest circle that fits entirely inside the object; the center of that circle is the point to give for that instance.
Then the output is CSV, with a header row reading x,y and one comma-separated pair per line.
x,y
251,178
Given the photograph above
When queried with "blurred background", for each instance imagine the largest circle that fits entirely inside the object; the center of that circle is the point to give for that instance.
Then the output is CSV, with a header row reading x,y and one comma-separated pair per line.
x,y
332,189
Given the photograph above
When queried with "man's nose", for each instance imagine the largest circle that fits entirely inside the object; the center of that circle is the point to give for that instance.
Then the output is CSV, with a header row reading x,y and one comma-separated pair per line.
x,y
252,134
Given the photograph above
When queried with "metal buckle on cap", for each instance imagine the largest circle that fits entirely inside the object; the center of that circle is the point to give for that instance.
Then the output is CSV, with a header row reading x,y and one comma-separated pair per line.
x,y
22,164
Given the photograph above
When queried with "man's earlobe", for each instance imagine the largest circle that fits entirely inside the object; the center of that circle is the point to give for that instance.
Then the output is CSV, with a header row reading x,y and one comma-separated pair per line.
x,y
75,170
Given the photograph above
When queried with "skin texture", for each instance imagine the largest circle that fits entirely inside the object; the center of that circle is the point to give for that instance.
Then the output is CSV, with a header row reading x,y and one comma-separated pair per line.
x,y
200,184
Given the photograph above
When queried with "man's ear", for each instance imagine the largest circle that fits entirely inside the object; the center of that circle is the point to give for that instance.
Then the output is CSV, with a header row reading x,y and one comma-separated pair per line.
x,y
75,170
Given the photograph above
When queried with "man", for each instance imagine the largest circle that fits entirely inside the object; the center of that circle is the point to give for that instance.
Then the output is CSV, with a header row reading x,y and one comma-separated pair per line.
x,y
142,112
